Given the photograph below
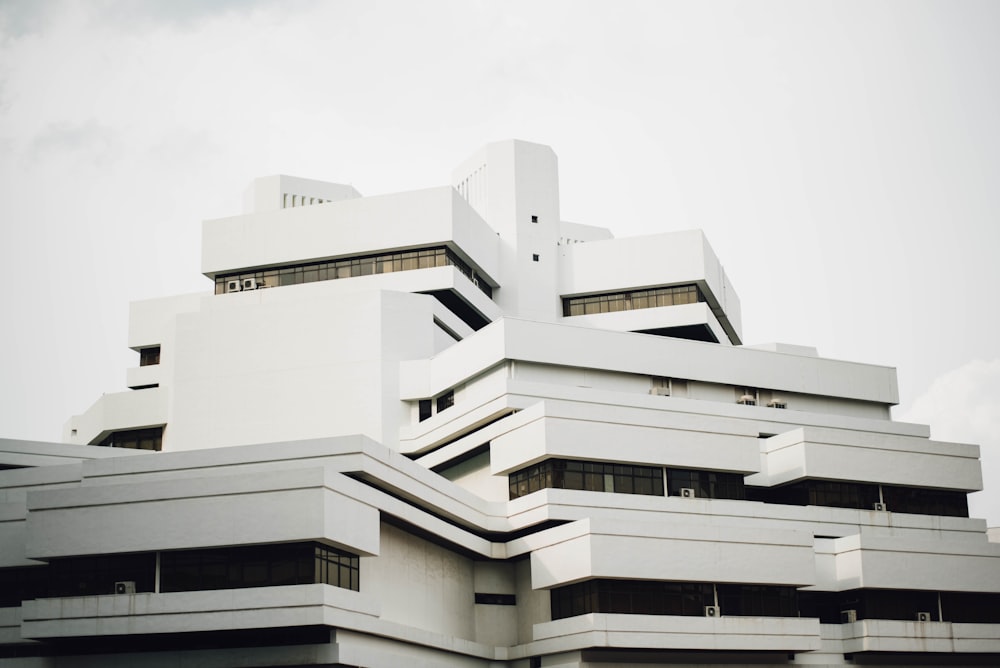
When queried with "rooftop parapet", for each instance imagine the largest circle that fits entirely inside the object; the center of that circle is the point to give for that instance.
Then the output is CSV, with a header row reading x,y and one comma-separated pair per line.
x,y
273,193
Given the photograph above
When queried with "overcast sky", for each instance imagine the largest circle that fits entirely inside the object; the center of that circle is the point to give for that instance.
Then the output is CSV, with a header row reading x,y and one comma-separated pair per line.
x,y
843,159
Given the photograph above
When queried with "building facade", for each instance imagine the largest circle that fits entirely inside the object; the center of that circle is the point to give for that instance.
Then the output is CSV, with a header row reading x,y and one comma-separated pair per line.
x,y
448,428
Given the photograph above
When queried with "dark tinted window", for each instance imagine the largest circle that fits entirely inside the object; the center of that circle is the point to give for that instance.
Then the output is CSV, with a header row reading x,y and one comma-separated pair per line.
x,y
592,476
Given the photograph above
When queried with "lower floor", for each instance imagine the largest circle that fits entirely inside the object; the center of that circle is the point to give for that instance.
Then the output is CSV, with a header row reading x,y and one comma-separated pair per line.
x,y
324,646
340,552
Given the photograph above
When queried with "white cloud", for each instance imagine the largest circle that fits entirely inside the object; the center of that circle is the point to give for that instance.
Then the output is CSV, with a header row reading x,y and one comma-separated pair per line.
x,y
963,405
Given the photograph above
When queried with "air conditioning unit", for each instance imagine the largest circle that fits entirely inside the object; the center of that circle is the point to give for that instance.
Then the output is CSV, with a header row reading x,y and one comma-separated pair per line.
x,y
233,285
660,391
777,404
712,611
848,616
688,493
125,587
250,284
881,507
747,400
924,617
475,281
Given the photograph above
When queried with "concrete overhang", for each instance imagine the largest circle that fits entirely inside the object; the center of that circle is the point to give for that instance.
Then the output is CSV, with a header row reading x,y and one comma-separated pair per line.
x,y
658,260
585,347
353,227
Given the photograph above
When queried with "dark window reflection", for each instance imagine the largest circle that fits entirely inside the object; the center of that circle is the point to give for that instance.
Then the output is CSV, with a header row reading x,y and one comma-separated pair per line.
x,y
592,476
350,268
257,566
149,356
137,439
633,299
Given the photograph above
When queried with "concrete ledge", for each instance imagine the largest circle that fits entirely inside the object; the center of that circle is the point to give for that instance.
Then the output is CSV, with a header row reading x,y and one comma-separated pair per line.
x,y
816,452
660,551
261,607
194,512
874,562
143,376
885,635
786,634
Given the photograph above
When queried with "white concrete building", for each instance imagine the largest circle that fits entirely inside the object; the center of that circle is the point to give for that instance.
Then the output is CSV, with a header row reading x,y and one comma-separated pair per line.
x,y
447,428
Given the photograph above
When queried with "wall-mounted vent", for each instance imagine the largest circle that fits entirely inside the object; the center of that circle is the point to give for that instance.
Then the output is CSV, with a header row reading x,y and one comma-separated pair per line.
x,y
125,587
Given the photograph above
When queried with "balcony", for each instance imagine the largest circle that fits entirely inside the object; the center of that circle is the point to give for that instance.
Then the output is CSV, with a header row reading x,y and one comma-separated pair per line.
x,y
892,636
227,609
745,634
816,452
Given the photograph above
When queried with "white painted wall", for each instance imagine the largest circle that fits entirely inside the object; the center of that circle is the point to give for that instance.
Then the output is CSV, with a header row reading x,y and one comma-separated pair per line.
x,y
277,368
495,624
183,612
508,183
151,321
185,513
475,475
271,193
421,585
369,225
865,457
534,605
870,561
575,233
712,552
550,437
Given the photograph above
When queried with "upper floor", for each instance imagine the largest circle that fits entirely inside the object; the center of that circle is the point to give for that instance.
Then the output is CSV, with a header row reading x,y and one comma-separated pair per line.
x,y
498,224
334,314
